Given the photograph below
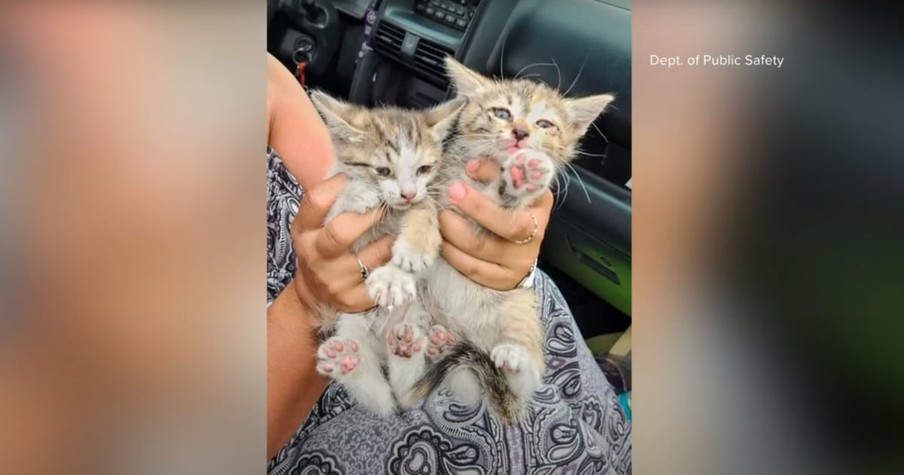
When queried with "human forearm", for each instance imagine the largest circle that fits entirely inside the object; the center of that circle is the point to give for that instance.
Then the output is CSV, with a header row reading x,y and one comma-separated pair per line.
x,y
293,385
295,128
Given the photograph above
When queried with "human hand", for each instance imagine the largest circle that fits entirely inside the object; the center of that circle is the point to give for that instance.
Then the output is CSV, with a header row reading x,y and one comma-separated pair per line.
x,y
327,271
492,260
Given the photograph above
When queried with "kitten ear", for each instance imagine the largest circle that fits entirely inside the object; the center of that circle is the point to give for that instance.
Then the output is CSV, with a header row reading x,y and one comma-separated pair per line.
x,y
465,81
586,109
336,115
443,118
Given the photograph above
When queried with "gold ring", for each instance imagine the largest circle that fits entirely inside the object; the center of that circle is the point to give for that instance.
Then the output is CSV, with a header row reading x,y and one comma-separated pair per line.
x,y
532,234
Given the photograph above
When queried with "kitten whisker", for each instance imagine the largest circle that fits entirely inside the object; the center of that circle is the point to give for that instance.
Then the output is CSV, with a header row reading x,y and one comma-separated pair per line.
x,y
600,132
562,181
558,72
577,76
588,154
518,74
502,58
580,180
606,152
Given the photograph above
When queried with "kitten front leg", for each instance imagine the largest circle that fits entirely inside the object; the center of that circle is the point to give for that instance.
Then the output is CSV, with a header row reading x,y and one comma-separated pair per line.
x,y
525,176
419,241
415,249
390,286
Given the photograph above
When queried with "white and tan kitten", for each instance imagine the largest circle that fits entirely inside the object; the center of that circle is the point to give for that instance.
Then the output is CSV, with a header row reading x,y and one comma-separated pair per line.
x,y
531,130
390,156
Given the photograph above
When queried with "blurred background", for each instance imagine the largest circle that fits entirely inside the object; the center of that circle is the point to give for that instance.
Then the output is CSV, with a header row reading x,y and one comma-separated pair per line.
x,y
767,227
767,209
132,337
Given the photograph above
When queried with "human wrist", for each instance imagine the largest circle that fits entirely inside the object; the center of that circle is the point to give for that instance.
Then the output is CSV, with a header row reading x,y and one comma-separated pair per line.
x,y
304,298
288,304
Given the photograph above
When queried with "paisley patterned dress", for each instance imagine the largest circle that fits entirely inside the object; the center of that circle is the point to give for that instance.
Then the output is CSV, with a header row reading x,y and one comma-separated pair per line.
x,y
575,424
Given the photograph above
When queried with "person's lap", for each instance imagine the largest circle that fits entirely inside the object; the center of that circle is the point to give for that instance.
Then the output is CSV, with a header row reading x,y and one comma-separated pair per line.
x,y
574,419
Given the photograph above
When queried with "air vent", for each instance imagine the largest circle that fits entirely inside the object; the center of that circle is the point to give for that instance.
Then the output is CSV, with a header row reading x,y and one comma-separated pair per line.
x,y
388,40
429,61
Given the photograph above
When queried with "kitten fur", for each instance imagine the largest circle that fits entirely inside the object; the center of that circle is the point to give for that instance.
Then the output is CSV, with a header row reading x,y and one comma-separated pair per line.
x,y
390,157
531,131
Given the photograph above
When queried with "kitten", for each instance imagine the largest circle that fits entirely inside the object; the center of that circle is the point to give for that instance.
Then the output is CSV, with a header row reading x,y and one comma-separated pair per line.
x,y
530,130
390,156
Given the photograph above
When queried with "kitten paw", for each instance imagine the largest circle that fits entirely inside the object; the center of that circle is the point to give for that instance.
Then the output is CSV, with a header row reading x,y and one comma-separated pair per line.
x,y
509,357
405,340
439,341
406,258
527,173
390,286
337,356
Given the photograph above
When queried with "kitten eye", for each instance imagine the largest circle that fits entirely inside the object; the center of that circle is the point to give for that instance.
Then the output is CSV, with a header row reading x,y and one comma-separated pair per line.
x,y
383,171
501,113
424,169
544,124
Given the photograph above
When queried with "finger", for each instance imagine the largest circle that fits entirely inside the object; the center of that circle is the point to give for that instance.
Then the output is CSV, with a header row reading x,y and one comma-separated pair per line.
x,y
344,273
356,300
461,233
483,169
317,203
509,224
484,273
342,231
542,208
377,253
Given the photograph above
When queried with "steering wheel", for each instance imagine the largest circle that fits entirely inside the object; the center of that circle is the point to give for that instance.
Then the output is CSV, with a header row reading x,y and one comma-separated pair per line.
x,y
319,20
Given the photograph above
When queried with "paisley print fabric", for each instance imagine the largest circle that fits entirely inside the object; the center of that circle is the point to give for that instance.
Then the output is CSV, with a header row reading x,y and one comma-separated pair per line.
x,y
575,424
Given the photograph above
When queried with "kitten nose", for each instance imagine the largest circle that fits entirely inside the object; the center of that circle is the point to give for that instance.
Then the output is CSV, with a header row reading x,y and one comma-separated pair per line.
x,y
520,133
409,195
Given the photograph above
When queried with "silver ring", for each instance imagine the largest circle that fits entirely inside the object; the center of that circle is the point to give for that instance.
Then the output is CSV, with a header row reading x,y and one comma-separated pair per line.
x,y
533,234
364,270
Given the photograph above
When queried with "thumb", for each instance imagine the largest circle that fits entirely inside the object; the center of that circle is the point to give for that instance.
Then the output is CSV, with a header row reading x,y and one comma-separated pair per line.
x,y
483,169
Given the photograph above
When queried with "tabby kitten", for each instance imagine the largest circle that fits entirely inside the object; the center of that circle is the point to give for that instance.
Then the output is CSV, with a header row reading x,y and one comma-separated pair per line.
x,y
390,156
531,130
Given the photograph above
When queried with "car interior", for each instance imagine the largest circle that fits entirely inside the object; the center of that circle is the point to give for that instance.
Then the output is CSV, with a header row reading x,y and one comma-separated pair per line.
x,y
376,52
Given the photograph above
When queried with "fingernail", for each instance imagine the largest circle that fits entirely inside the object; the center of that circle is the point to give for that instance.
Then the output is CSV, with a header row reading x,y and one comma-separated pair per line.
x,y
472,165
457,191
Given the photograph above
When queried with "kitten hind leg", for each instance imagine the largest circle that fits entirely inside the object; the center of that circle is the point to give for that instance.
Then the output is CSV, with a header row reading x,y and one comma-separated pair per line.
x,y
406,359
439,341
351,359
465,386
519,350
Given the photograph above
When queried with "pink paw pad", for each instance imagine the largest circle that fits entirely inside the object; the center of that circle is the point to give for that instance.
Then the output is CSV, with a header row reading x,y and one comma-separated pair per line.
x,y
528,173
336,355
440,340
405,341
517,173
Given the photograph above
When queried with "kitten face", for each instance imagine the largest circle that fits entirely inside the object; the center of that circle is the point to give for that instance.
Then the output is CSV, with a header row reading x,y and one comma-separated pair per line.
x,y
512,115
397,151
